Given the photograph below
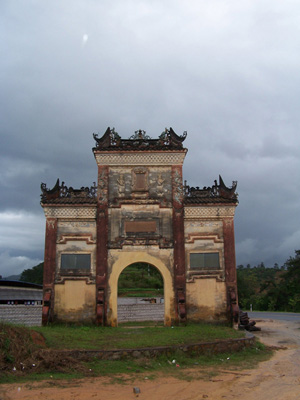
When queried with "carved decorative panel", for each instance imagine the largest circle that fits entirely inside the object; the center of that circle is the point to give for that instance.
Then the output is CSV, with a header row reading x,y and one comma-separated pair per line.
x,y
177,187
70,212
141,159
140,185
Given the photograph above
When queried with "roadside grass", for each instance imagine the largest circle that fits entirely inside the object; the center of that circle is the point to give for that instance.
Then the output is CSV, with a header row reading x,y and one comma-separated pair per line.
x,y
95,338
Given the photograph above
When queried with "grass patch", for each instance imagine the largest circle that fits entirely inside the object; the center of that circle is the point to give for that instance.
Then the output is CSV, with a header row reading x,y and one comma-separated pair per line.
x,y
142,324
38,363
15,344
51,376
93,338
185,367
140,292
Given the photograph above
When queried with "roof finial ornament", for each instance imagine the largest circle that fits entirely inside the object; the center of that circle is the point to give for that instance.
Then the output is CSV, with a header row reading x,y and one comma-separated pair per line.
x,y
140,134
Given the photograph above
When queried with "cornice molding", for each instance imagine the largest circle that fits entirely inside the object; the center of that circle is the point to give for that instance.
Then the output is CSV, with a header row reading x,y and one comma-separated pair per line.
x,y
191,238
88,238
193,276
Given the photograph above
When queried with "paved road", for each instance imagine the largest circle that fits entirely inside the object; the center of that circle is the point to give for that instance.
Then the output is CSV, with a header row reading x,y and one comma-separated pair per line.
x,y
280,316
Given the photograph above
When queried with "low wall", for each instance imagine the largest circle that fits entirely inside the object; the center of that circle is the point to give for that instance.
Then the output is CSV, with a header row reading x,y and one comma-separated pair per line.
x,y
141,312
208,348
29,315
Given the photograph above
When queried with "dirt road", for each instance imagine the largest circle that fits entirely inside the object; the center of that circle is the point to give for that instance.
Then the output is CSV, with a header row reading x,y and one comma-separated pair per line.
x,y
276,379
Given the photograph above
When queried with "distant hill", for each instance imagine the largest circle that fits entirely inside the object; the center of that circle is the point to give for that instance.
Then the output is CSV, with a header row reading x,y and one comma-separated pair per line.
x,y
12,278
30,275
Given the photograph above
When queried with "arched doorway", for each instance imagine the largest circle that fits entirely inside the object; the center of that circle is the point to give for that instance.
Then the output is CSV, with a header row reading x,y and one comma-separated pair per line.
x,y
124,260
140,294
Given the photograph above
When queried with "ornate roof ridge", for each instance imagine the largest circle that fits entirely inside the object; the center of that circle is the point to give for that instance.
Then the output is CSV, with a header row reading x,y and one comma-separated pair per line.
x,y
63,194
111,140
216,193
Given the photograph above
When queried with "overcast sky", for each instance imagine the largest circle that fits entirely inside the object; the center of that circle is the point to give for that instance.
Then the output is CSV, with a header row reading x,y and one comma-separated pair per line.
x,y
227,72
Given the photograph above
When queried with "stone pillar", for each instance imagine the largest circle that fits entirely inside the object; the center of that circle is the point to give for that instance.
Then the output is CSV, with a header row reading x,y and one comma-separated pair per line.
x,y
230,269
49,269
179,249
102,241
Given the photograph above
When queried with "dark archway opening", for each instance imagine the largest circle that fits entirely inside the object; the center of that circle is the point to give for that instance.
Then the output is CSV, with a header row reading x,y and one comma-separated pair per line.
x,y
140,294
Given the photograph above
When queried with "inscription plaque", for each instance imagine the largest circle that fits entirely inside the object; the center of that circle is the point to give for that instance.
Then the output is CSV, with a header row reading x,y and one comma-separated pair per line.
x,y
140,226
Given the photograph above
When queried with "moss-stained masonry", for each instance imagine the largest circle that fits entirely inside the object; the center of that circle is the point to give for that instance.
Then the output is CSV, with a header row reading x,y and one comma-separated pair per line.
x,y
139,211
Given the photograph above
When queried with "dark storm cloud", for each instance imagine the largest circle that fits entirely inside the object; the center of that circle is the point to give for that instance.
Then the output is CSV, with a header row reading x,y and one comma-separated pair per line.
x,y
227,72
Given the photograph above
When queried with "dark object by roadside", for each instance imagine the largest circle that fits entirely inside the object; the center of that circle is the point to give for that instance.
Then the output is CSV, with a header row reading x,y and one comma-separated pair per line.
x,y
245,322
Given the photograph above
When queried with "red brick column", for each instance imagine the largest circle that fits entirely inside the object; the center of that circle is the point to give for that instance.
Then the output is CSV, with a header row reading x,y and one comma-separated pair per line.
x,y
49,269
178,237
102,241
230,268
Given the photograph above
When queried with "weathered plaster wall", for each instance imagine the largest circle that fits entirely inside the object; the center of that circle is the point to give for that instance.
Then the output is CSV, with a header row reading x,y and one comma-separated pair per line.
x,y
118,260
160,217
75,298
206,300
205,288
76,247
196,227
77,227
204,237
76,237
75,301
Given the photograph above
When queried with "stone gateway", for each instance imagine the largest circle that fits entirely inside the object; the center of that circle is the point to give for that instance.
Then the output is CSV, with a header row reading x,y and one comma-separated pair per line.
x,y
140,211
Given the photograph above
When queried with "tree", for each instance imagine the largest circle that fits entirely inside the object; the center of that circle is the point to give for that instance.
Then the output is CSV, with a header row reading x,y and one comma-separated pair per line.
x,y
33,275
293,269
258,285
247,284
140,278
271,289
290,284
